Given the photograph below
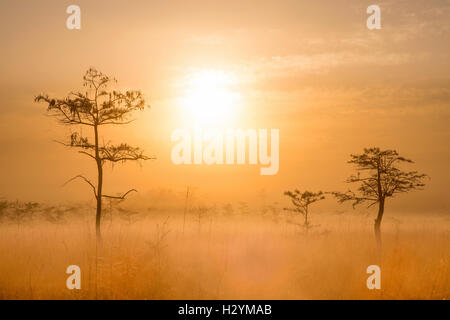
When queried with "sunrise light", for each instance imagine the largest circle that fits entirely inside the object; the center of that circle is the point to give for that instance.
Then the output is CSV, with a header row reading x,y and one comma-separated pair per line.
x,y
210,97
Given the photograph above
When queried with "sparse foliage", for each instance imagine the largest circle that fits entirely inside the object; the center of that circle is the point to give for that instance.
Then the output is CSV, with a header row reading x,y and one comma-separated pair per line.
x,y
302,201
94,108
379,177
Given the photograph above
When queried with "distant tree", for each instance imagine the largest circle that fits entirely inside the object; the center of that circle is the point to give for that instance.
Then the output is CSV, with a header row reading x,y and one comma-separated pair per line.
x,y
98,106
23,212
302,201
379,177
4,206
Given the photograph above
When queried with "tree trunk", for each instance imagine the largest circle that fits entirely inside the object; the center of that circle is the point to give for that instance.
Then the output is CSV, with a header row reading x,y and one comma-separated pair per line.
x,y
306,218
98,216
380,207
377,226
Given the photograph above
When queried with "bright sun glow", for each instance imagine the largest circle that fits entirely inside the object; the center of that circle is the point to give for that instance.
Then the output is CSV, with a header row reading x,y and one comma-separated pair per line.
x,y
209,97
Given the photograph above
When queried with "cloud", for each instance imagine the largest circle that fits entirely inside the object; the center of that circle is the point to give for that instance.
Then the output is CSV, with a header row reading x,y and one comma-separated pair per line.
x,y
320,63
210,40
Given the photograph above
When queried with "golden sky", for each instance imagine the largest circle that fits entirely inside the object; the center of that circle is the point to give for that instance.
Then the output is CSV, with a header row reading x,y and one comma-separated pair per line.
x,y
312,70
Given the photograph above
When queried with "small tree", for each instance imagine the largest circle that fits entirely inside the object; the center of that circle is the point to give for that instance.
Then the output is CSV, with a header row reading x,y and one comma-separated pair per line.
x,y
96,107
301,202
379,178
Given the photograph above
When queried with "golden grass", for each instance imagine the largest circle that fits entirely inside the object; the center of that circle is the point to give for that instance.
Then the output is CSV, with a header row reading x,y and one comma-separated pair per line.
x,y
226,258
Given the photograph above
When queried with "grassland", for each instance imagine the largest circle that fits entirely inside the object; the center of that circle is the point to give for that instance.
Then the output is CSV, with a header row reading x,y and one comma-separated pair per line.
x,y
216,254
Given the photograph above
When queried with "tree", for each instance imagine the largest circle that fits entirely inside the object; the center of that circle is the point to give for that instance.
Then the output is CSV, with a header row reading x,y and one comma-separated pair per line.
x,y
379,178
302,200
98,106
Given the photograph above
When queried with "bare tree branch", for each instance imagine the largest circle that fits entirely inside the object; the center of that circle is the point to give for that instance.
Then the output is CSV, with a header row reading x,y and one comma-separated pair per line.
x,y
85,179
383,178
95,107
302,201
120,197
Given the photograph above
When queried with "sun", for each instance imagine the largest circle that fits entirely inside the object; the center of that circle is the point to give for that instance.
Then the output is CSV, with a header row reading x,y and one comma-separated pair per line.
x,y
210,97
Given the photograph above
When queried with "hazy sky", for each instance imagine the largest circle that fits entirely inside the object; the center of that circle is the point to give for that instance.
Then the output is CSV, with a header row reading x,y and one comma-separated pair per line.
x,y
309,68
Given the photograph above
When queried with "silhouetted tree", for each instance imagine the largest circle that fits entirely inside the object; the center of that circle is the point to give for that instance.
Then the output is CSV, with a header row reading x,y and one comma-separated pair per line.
x,y
96,107
4,206
379,177
302,201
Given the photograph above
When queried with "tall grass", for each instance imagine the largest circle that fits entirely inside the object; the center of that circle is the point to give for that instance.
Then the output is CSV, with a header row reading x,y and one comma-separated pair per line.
x,y
223,257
